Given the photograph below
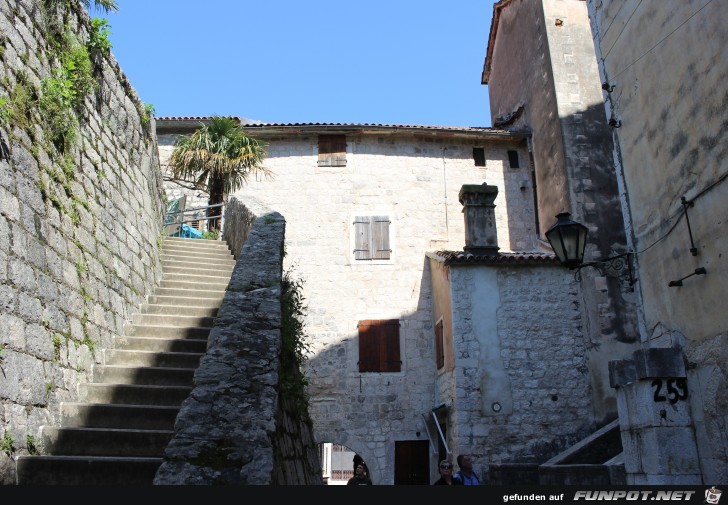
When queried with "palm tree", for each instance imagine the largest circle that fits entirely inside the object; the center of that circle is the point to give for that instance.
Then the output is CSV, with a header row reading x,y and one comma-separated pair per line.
x,y
217,158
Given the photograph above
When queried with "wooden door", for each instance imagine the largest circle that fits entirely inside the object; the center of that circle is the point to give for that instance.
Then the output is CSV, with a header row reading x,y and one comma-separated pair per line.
x,y
412,462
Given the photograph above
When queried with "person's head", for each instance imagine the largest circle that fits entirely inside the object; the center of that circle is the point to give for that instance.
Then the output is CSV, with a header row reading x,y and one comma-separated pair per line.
x,y
445,468
360,470
465,461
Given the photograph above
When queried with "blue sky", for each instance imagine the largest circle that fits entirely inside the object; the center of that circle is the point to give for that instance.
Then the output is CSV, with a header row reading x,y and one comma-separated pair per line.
x,y
321,61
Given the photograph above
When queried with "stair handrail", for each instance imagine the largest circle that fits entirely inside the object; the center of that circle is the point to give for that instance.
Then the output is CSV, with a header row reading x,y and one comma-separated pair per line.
x,y
177,217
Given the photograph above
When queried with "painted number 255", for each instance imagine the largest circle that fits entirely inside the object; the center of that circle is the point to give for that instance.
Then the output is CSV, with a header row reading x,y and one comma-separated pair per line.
x,y
676,389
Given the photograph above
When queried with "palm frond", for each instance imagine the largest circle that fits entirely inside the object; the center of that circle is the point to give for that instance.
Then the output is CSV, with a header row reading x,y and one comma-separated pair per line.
x,y
219,150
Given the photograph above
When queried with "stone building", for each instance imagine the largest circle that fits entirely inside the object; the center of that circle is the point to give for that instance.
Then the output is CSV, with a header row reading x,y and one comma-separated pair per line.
x,y
663,72
407,312
542,77
623,142
439,321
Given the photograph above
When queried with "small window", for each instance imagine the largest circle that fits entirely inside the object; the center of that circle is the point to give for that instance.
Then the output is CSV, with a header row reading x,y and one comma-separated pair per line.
x,y
439,345
371,238
513,159
479,156
332,151
379,346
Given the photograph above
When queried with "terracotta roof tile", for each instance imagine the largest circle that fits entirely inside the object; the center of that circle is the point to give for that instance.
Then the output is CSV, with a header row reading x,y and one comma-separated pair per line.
x,y
259,124
517,258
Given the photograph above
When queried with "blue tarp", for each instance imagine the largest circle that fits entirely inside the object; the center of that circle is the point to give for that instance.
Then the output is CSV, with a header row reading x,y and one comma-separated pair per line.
x,y
189,232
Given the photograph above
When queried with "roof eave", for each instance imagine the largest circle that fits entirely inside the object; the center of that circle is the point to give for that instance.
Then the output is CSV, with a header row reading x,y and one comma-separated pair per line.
x,y
497,7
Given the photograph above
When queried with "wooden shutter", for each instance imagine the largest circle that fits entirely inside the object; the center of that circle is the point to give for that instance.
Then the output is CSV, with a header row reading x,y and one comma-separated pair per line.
x,y
324,151
368,347
332,150
338,150
391,361
380,238
439,345
362,238
379,346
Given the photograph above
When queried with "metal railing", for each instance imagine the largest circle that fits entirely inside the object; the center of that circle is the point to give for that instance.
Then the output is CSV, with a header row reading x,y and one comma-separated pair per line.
x,y
174,221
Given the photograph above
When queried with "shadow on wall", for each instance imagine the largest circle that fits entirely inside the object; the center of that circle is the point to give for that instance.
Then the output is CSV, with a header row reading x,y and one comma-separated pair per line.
x,y
239,426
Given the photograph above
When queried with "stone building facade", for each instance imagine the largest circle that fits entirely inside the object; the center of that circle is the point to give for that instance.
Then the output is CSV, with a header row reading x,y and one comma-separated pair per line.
x,y
623,144
413,176
672,170
542,77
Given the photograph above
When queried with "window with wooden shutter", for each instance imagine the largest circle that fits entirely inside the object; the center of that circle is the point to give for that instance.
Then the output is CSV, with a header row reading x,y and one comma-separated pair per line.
x,y
439,345
379,345
371,238
332,150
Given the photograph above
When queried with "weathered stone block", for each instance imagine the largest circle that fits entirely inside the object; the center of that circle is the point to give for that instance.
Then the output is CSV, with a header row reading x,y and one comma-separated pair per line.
x,y
659,362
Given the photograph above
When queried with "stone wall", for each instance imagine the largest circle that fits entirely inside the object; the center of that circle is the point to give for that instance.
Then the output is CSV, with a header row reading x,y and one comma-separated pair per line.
x,y
518,390
556,87
237,427
673,144
79,221
414,178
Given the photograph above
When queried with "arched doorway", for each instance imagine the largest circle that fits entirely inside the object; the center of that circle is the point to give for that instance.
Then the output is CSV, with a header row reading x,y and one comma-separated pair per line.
x,y
337,463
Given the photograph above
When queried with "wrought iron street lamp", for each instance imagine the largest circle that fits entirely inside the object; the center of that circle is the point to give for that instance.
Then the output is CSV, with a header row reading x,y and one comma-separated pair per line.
x,y
568,240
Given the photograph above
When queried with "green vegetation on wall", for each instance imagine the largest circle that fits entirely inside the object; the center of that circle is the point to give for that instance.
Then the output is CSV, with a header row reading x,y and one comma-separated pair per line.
x,y
295,348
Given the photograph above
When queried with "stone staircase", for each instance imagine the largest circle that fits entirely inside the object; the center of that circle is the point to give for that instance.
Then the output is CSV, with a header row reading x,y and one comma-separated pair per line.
x,y
117,432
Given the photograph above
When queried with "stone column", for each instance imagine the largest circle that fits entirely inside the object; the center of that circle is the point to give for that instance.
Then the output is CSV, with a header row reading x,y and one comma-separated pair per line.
x,y
655,418
481,236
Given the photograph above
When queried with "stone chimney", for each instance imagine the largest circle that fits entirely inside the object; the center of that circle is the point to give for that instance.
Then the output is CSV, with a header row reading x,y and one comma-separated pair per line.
x,y
481,236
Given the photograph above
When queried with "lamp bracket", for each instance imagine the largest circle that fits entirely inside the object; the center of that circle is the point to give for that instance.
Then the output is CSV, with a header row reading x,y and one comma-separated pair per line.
x,y
698,271
614,266
689,203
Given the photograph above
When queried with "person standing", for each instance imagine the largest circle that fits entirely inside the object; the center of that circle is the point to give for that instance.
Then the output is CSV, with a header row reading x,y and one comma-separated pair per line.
x,y
465,474
361,477
446,478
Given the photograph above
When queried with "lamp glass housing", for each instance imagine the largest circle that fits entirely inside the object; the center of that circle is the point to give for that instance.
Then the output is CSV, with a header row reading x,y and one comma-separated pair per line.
x,y
568,240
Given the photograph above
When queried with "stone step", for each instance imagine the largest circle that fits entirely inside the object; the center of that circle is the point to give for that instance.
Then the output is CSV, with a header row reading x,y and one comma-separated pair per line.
x,y
226,265
133,394
117,430
159,344
184,273
190,301
113,415
217,285
150,330
178,310
180,321
207,256
86,471
195,245
157,376
190,293
116,415
104,441
151,358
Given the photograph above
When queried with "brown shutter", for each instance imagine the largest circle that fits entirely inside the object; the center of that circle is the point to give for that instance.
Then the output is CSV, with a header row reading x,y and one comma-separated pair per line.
x,y
439,345
324,150
389,332
379,346
362,238
338,150
368,346
332,150
380,238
